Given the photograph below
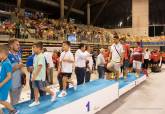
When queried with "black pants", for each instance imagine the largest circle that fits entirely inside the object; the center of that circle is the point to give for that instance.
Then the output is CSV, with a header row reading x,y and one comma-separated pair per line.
x,y
42,93
80,74
146,62
87,76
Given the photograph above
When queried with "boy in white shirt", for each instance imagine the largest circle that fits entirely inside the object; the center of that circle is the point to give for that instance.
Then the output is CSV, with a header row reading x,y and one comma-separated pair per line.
x,y
66,67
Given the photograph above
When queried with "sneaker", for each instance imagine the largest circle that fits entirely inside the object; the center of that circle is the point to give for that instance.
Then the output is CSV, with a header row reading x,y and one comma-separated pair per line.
x,y
53,98
14,112
125,77
34,104
62,94
137,76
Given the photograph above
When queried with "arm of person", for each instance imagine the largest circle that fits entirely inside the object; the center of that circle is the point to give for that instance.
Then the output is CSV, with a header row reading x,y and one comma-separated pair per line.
x,y
35,74
8,69
30,69
17,66
142,58
84,55
110,57
8,77
122,57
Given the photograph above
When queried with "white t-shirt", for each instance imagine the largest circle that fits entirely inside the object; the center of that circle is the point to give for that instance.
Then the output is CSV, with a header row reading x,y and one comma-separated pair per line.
x,y
80,58
115,56
147,55
100,60
66,67
48,56
90,60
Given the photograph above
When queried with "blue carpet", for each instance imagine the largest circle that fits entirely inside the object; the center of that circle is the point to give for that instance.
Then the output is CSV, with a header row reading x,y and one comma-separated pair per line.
x,y
46,105
131,77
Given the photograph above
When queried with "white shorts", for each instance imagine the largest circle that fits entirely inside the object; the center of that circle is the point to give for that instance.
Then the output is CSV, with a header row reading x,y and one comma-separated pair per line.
x,y
137,64
114,66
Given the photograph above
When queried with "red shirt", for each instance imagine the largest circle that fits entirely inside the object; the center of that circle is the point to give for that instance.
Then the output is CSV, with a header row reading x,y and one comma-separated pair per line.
x,y
106,55
155,56
163,57
137,54
126,51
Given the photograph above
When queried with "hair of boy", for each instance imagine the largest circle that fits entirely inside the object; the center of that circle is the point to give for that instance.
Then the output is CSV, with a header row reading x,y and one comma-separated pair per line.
x,y
87,47
67,43
45,50
81,45
38,45
123,39
116,37
11,41
4,48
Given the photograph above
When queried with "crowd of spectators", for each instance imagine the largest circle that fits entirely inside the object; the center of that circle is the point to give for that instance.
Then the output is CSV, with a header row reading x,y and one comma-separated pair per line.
x,y
40,27
51,29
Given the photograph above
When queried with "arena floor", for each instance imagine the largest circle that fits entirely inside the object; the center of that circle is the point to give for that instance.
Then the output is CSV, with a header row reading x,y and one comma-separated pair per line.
x,y
147,98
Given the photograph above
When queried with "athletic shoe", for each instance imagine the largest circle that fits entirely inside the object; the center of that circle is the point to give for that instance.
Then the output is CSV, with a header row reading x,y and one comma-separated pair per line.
x,y
125,77
34,104
137,76
53,97
14,112
62,94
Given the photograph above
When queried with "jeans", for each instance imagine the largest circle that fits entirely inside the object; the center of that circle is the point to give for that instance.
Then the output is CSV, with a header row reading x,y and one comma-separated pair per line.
x,y
87,76
101,71
80,74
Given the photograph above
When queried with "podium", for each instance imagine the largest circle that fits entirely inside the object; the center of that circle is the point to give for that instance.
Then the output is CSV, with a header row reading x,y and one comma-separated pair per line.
x,y
89,98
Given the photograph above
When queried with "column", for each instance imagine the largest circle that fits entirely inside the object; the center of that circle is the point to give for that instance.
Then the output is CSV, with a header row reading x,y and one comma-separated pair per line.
x,y
88,14
62,9
18,4
140,17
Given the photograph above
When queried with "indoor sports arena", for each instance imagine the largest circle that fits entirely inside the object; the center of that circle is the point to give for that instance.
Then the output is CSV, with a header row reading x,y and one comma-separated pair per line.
x,y
82,56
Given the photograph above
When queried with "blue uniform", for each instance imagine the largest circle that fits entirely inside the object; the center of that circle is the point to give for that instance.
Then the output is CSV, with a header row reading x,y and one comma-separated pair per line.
x,y
16,76
29,62
5,68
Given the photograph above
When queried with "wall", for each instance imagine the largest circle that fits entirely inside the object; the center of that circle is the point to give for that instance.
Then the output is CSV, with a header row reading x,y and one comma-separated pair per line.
x,y
140,19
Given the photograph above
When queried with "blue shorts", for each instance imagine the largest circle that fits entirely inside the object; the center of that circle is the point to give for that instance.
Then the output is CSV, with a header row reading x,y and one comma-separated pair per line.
x,y
39,84
4,91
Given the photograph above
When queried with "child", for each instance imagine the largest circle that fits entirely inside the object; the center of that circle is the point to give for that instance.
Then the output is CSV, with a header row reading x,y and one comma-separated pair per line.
x,y
5,79
39,74
66,67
